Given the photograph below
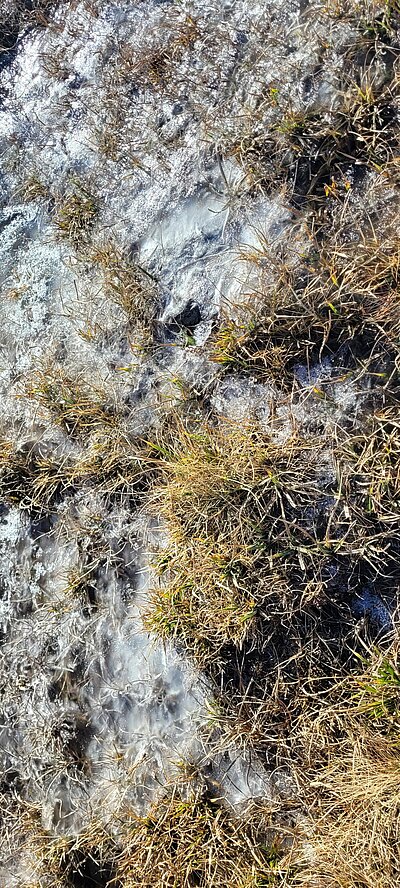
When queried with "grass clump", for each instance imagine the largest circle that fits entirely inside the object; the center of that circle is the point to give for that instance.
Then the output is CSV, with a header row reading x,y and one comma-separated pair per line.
x,y
245,346
116,465
65,861
76,215
188,842
271,550
235,505
155,66
354,831
374,21
206,598
78,408
371,462
342,749
341,301
128,285
33,189
312,155
31,477
209,481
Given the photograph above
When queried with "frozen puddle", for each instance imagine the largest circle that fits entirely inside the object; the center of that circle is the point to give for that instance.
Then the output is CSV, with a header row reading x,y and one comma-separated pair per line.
x,y
93,684
151,706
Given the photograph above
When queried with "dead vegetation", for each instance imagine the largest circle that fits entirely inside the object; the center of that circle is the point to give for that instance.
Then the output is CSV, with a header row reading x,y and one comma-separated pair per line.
x,y
145,72
127,284
59,861
33,188
76,215
272,547
15,15
187,840
341,301
117,464
154,67
79,408
120,299
340,832
341,749
267,566
31,476
252,535
37,478
371,468
354,830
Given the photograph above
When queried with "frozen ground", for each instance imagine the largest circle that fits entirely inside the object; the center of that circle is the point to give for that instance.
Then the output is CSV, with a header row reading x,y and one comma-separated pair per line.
x,y
95,712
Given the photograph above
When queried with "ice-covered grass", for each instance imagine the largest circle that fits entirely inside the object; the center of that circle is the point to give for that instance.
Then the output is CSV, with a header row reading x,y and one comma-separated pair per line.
x,y
199,379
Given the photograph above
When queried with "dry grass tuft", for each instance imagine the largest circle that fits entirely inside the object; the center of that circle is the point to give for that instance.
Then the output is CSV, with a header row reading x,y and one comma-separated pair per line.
x,y
211,481
34,189
128,285
116,464
341,300
352,839
37,479
206,597
371,468
79,408
62,861
31,477
76,215
342,750
233,504
188,842
155,66
313,155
